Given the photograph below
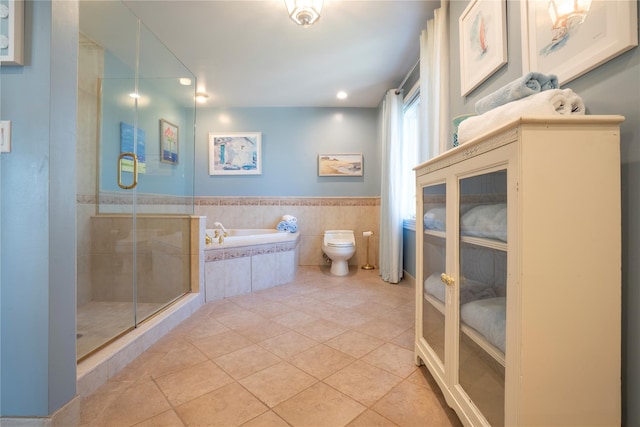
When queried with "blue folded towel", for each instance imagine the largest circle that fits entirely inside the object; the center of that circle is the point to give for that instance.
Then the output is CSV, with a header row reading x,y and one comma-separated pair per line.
x,y
526,85
290,226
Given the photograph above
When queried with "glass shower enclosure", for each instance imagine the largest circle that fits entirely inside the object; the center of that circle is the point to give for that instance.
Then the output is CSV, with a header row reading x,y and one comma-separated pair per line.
x,y
136,119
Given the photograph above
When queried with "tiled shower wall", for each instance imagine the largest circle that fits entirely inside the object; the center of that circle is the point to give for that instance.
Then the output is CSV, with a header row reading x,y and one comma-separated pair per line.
x,y
314,215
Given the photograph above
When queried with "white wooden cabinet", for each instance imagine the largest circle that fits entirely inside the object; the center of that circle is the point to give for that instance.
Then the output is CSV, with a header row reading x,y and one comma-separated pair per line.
x,y
524,225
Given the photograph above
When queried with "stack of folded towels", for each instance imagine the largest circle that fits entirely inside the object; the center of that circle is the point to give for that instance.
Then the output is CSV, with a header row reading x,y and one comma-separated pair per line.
x,y
288,223
534,94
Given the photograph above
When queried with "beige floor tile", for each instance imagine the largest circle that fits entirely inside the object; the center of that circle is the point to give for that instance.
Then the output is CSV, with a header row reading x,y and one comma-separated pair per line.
x,y
354,343
262,331
372,419
382,329
220,308
347,318
176,360
321,329
371,308
137,403
192,382
318,406
268,419
288,344
392,358
409,404
91,406
277,383
246,361
205,328
321,361
363,382
228,406
241,320
165,419
294,319
406,339
271,309
221,344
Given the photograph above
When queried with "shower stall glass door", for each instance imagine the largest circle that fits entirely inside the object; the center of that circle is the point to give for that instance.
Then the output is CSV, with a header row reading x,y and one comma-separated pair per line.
x,y
136,121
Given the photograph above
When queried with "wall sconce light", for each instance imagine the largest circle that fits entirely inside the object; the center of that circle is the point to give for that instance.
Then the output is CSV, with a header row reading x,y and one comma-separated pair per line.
x,y
304,12
566,14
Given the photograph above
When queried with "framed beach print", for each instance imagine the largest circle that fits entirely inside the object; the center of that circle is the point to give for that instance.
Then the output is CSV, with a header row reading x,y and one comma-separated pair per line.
x,y
483,42
235,153
346,164
570,38
168,142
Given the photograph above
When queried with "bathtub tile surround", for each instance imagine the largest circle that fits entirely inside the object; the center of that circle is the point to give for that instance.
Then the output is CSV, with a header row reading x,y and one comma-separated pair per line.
x,y
314,215
206,371
237,270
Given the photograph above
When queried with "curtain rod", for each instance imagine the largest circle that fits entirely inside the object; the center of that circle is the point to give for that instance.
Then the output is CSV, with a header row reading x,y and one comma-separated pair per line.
x,y
407,77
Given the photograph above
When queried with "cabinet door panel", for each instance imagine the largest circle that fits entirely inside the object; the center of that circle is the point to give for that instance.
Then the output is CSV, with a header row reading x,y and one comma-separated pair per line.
x,y
481,291
434,264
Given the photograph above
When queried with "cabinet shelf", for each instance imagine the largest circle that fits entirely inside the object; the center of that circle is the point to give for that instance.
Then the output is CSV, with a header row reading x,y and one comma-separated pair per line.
x,y
476,241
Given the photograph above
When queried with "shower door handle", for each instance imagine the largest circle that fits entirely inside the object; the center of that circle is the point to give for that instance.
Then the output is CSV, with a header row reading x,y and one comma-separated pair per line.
x,y
135,170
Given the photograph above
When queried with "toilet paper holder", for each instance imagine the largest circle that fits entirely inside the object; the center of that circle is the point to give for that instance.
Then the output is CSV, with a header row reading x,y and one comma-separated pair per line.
x,y
367,266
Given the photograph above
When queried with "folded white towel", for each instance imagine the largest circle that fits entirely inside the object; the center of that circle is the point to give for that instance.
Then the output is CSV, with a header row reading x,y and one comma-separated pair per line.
x,y
547,103
289,218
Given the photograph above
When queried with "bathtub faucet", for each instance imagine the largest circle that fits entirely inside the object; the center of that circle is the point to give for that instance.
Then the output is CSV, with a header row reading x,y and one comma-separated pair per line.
x,y
224,230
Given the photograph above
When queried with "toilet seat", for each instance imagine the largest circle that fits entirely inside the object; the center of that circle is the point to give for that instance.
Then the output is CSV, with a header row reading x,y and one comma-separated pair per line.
x,y
340,243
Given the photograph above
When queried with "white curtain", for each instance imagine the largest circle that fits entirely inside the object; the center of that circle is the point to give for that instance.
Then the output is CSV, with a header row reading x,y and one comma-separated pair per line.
x,y
434,84
390,208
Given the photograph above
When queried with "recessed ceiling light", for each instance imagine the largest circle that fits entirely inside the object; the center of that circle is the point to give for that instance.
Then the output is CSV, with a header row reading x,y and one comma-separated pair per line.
x,y
201,97
134,95
342,95
185,81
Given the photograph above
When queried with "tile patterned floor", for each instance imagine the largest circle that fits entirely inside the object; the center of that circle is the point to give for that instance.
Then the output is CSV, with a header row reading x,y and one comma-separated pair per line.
x,y
322,351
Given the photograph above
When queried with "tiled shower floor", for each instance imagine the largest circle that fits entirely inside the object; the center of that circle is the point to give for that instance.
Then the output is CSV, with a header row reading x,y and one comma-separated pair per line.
x,y
322,351
100,321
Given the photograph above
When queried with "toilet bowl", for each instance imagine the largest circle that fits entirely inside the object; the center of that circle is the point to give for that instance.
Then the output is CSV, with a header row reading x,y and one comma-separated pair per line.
x,y
339,246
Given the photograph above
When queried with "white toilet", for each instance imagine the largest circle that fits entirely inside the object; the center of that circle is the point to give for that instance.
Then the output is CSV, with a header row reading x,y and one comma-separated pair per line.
x,y
339,245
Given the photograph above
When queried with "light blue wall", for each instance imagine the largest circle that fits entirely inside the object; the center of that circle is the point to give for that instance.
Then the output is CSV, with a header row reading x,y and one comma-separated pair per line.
x,y
38,216
292,138
612,88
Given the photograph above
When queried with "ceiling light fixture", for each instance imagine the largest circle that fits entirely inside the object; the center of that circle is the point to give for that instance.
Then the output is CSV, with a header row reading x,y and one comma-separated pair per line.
x,y
201,97
304,12
342,95
185,81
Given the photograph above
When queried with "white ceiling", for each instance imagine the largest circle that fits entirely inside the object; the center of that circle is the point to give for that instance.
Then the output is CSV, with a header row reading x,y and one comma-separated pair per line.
x,y
250,54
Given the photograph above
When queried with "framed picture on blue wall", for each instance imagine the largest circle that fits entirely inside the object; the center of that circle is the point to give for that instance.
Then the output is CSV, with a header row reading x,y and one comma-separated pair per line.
x,y
235,153
168,142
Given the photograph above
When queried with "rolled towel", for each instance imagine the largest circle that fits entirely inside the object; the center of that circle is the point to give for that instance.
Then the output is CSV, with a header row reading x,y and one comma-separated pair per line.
x,y
291,227
548,103
576,103
289,218
527,85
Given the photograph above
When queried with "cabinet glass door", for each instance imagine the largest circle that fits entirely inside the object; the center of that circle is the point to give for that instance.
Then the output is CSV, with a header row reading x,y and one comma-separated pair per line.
x,y
482,291
434,264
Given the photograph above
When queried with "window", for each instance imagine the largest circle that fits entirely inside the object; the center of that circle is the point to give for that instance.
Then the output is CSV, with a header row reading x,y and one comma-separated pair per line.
x,y
410,151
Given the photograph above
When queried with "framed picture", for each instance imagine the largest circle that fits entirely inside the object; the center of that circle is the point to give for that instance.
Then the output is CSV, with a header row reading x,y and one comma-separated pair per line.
x,y
572,44
12,32
235,153
348,164
168,142
132,140
483,42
